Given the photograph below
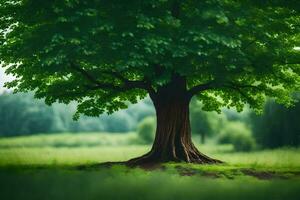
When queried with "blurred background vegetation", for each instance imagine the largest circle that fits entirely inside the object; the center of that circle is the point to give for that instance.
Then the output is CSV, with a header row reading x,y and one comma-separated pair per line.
x,y
21,115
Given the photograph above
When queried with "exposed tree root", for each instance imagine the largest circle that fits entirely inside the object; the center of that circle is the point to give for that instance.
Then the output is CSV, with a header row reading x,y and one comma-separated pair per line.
x,y
151,162
151,158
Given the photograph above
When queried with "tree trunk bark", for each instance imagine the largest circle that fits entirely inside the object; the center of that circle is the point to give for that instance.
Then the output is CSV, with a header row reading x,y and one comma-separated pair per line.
x,y
173,133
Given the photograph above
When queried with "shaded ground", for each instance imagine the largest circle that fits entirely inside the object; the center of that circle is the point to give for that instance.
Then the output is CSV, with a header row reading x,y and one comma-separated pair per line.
x,y
168,183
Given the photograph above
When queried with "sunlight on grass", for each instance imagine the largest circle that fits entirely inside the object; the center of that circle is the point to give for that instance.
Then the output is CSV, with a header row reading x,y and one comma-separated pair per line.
x,y
67,156
84,149
276,159
69,140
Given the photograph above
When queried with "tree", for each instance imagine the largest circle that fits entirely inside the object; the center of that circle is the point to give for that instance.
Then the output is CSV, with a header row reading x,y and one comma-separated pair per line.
x,y
205,123
105,53
200,123
278,126
146,130
20,115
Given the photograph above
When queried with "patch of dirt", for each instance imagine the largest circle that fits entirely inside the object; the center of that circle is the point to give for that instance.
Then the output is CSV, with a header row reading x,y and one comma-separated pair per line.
x,y
295,173
149,166
99,165
211,174
185,171
263,175
188,171
146,166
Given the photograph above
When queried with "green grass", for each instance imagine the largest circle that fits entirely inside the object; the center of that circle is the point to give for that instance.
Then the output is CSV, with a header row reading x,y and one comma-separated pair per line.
x,y
69,140
46,167
58,150
117,183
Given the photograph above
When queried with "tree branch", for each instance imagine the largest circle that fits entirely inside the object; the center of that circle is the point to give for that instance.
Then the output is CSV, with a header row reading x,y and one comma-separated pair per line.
x,y
126,84
114,74
249,44
242,93
199,88
215,85
84,73
233,84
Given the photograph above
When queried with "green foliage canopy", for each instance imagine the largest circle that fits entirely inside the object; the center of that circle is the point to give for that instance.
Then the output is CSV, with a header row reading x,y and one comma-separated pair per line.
x,y
105,53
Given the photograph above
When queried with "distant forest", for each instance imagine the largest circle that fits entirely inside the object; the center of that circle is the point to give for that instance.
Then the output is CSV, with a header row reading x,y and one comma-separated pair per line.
x,y
22,114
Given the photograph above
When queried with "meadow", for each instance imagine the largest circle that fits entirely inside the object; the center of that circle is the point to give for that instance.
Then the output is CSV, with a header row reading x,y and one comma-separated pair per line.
x,y
66,166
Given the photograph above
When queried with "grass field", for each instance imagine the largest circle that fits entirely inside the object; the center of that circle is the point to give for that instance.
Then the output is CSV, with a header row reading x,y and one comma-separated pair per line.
x,y
50,167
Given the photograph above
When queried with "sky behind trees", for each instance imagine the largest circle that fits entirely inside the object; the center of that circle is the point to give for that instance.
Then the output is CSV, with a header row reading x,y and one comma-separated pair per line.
x,y
3,78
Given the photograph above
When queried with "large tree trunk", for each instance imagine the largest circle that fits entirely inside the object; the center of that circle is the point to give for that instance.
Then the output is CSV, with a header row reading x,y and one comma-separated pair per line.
x,y
173,134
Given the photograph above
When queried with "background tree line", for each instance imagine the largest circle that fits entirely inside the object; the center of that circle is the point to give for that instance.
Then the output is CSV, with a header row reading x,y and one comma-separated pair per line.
x,y
276,127
21,114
